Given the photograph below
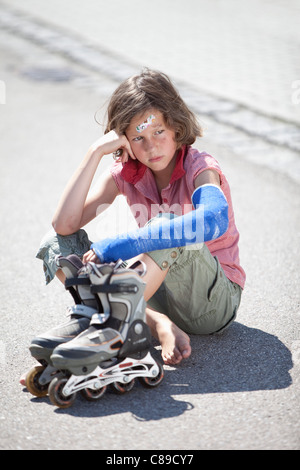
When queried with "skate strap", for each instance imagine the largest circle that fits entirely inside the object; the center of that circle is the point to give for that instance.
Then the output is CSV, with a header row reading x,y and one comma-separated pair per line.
x,y
139,263
69,264
77,281
72,284
114,288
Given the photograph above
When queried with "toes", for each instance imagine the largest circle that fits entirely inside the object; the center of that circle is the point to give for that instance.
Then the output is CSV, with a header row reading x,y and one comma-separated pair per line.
x,y
176,356
186,353
173,357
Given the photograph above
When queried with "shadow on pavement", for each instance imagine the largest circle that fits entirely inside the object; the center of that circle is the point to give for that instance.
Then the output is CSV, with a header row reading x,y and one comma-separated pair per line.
x,y
243,359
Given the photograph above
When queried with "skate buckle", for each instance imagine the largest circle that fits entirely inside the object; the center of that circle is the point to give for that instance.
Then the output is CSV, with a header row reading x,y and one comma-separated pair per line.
x,y
99,318
82,310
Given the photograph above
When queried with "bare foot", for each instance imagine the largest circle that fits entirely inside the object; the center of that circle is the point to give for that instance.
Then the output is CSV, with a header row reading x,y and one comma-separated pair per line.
x,y
175,343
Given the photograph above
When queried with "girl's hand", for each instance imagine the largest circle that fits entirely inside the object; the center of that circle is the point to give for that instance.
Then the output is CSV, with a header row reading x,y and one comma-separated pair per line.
x,y
111,143
90,256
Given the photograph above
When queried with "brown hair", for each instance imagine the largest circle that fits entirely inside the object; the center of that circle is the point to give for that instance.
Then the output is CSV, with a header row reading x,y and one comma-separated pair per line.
x,y
151,89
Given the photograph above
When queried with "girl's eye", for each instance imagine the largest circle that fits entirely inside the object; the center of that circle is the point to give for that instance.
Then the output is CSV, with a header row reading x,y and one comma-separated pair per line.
x,y
137,139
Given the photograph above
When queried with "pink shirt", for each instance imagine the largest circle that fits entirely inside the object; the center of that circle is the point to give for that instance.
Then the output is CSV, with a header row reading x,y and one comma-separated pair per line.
x,y
135,181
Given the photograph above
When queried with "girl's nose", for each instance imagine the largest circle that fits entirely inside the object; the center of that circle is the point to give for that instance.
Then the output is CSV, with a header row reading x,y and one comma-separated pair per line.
x,y
148,144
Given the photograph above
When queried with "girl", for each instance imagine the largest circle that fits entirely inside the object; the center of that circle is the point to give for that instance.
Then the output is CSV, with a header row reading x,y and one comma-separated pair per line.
x,y
191,287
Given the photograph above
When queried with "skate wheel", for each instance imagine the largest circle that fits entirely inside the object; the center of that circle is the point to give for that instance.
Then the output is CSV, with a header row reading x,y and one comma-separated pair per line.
x,y
32,382
56,396
150,382
93,395
120,387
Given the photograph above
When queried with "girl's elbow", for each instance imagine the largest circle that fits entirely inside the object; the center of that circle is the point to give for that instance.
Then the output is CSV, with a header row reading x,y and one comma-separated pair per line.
x,y
62,228
58,228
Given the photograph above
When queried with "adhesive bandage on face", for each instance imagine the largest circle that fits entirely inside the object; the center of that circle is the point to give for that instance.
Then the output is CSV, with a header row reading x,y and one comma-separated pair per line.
x,y
146,123
208,221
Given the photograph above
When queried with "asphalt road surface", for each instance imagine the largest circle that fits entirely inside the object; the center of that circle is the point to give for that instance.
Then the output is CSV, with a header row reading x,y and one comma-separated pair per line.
x,y
239,390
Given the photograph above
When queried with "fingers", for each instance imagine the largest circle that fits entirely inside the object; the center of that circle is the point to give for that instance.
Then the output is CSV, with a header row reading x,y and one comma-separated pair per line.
x,y
123,154
114,143
89,256
124,151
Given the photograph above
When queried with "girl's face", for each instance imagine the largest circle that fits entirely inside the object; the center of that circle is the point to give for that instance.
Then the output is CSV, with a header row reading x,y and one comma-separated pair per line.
x,y
151,141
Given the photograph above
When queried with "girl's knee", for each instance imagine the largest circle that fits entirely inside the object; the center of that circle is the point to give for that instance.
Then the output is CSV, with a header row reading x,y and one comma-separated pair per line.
x,y
53,245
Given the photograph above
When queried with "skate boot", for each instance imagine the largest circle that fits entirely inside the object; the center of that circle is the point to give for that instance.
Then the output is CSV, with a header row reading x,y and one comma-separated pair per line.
x,y
86,304
114,352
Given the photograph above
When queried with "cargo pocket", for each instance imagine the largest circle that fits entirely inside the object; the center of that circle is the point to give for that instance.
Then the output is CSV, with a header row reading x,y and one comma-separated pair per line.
x,y
218,284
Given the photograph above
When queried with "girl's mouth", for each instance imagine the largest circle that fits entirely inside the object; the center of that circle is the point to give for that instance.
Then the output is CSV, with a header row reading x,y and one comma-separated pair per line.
x,y
155,159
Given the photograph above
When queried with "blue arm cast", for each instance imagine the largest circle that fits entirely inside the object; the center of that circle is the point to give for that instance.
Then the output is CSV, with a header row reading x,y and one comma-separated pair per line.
x,y
207,222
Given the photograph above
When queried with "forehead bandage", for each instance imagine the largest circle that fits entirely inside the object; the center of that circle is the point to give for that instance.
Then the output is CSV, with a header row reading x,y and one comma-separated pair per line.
x,y
207,222
146,123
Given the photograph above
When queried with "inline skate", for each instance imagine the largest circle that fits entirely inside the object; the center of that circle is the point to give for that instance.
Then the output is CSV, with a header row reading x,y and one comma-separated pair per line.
x,y
112,353
86,304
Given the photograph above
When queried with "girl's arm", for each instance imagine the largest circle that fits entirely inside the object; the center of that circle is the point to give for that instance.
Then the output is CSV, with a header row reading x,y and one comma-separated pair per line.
x,y
76,208
208,221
